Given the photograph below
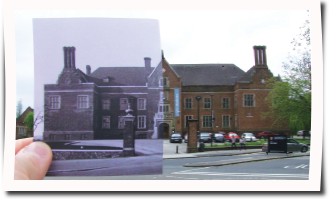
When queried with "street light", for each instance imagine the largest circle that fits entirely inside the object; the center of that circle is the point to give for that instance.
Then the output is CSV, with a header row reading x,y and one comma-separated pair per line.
x,y
198,98
212,118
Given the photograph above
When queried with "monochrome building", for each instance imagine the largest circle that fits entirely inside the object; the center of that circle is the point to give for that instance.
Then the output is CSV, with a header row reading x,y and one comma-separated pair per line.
x,y
91,105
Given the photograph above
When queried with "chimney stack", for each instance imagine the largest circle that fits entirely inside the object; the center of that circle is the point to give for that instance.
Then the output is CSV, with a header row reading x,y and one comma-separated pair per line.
x,y
260,56
69,57
88,69
148,68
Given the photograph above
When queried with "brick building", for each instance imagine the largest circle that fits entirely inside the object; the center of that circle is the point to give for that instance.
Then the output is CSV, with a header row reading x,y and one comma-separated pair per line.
x,y
91,105
22,130
234,98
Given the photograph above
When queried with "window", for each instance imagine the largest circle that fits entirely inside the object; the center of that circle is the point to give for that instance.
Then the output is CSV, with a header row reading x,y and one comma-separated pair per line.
x,y
124,103
22,130
106,122
187,117
163,81
163,96
206,103
105,79
141,104
68,136
121,123
188,103
141,122
52,136
249,100
82,101
236,121
105,104
84,137
226,121
54,102
164,108
206,121
235,101
226,103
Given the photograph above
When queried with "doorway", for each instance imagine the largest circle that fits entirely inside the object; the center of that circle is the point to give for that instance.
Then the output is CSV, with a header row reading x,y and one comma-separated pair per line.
x,y
163,130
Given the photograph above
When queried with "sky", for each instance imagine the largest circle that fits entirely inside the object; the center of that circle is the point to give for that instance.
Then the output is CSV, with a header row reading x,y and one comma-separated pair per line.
x,y
187,37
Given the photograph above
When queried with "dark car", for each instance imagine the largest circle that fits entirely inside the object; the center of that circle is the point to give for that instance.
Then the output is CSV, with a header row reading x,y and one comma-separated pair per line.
x,y
176,137
219,137
204,137
292,146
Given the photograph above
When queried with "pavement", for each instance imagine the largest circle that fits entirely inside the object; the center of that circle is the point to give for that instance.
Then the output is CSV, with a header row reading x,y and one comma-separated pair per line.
x,y
179,152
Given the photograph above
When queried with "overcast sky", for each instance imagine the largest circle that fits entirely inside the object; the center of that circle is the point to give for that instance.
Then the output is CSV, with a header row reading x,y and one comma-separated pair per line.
x,y
187,37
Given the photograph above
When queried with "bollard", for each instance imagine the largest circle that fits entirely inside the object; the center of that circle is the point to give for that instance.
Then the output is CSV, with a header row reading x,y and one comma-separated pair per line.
x,y
177,149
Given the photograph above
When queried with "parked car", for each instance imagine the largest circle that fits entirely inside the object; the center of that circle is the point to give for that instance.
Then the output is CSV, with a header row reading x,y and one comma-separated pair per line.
x,y
204,137
249,137
292,146
229,136
265,134
219,137
303,133
176,137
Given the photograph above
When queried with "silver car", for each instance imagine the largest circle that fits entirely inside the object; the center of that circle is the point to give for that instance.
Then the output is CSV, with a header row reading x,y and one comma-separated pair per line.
x,y
292,146
249,137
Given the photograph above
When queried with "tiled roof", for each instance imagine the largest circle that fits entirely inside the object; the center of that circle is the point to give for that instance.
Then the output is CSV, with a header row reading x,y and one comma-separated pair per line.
x,y
208,74
119,76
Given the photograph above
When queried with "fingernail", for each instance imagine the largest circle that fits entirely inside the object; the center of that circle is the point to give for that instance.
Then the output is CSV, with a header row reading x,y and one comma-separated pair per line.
x,y
37,149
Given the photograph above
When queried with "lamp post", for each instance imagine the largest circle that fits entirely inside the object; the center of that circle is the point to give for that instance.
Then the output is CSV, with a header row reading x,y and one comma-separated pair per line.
x,y
212,118
198,98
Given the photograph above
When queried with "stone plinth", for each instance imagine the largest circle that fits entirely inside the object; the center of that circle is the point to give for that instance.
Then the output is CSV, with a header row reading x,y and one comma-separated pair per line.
x,y
128,137
192,138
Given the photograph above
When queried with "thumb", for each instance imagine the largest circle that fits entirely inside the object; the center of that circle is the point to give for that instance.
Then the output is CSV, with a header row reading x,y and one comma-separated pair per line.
x,y
33,161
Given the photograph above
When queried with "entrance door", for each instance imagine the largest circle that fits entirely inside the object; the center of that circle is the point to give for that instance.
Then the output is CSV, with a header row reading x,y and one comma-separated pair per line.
x,y
163,130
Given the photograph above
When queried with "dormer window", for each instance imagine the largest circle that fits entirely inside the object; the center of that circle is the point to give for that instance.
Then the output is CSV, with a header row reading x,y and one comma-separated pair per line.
x,y
105,79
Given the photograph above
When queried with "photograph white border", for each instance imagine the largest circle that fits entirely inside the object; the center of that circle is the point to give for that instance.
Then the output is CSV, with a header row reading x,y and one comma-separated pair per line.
x,y
314,182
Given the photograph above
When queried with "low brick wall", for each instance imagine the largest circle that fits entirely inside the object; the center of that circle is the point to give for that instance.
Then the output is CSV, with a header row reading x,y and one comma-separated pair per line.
x,y
84,154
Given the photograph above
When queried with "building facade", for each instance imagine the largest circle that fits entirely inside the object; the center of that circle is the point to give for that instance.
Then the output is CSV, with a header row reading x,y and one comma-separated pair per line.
x,y
221,96
22,131
91,105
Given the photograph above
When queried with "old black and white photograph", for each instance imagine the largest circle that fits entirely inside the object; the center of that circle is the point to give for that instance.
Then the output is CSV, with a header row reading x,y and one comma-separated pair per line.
x,y
98,89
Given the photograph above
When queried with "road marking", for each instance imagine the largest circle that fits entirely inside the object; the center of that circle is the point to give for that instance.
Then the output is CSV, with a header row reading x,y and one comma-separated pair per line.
x,y
243,174
302,166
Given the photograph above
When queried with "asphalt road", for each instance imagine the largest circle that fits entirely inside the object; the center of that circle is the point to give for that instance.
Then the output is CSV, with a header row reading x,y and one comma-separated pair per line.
x,y
280,169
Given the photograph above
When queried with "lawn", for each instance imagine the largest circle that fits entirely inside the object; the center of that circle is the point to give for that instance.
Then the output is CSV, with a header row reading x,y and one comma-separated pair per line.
x,y
257,143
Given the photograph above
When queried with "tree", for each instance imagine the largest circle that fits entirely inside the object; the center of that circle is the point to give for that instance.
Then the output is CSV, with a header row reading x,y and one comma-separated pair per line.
x,y
29,120
290,97
19,108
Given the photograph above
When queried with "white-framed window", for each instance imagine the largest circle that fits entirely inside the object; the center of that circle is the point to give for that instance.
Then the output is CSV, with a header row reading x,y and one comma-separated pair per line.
x,y
226,121
164,108
55,102
106,122
207,102
141,121
226,103
82,101
249,100
124,103
141,103
188,103
106,104
186,118
163,81
22,130
206,121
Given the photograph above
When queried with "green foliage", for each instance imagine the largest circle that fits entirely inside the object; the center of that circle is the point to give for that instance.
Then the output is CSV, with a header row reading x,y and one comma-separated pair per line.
x,y
290,98
29,120
19,108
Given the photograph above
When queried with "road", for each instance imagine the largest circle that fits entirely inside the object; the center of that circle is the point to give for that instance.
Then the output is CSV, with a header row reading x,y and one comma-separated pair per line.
x,y
280,169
